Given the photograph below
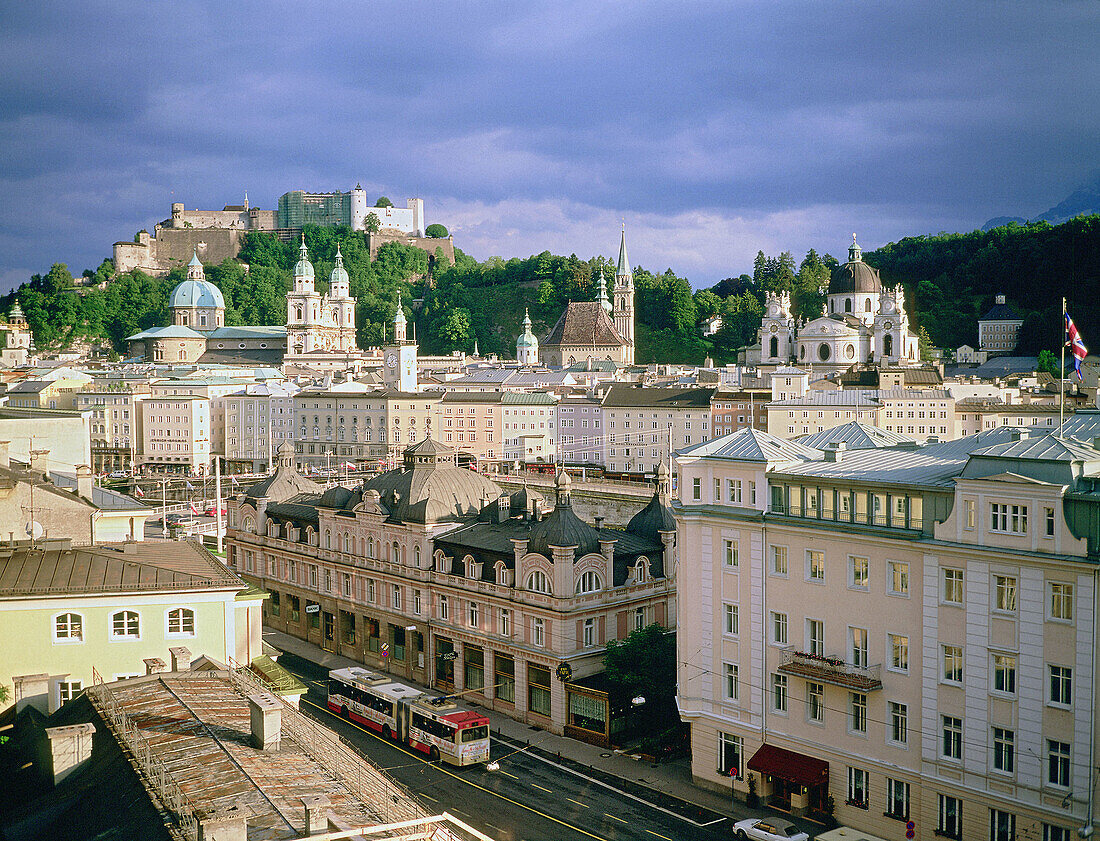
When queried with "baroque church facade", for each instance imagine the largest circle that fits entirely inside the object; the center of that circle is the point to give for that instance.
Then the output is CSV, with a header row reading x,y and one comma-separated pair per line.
x,y
862,322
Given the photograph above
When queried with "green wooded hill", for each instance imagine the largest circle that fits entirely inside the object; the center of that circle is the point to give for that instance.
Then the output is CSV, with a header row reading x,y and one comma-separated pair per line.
x,y
950,280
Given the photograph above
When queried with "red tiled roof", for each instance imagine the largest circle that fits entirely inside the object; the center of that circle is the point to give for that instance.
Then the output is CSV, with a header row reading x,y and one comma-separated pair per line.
x,y
790,766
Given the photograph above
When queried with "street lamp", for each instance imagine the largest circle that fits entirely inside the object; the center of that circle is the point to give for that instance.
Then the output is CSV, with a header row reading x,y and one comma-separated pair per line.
x,y
637,700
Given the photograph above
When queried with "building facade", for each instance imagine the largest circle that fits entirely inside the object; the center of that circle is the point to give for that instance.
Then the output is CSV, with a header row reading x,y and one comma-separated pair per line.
x,y
644,426
999,329
176,432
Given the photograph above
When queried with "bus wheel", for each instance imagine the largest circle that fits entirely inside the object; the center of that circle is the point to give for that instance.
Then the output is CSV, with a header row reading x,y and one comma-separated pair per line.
x,y
344,711
433,754
386,734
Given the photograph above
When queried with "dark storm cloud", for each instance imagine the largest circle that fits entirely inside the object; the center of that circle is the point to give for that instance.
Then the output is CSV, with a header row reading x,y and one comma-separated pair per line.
x,y
714,128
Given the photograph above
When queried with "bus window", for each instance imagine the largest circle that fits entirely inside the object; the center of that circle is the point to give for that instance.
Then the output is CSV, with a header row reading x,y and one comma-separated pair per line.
x,y
473,734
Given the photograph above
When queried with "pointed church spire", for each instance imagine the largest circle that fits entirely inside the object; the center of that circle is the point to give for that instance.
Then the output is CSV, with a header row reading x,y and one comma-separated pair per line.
x,y
195,261
623,267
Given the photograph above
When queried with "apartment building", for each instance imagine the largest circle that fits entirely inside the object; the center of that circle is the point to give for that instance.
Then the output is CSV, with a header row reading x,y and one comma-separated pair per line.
x,y
175,434
918,413
430,572
645,425
580,432
732,409
976,414
259,418
213,388
115,423
906,630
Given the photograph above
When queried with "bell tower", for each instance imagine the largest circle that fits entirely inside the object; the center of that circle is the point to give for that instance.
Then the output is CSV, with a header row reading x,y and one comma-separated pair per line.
x,y
399,359
623,310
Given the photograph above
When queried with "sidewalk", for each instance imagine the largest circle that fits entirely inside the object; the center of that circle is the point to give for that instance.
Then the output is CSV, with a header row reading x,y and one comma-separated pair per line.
x,y
667,785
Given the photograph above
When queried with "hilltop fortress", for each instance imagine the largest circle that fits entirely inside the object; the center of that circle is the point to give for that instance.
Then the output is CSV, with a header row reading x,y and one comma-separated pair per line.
x,y
215,235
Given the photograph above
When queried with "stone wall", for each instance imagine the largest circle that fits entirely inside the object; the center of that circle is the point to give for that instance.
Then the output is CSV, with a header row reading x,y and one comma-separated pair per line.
x,y
615,503
429,244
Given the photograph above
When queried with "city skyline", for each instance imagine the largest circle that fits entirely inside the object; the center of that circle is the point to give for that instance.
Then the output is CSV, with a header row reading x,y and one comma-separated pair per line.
x,y
712,133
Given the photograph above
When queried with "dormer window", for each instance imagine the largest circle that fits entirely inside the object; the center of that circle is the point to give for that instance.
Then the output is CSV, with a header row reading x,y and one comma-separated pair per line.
x,y
539,582
589,582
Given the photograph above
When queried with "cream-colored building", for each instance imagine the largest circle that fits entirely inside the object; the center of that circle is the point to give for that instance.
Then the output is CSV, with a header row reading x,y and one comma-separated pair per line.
x,y
176,433
974,415
500,426
643,426
999,329
918,413
68,613
906,630
115,423
258,419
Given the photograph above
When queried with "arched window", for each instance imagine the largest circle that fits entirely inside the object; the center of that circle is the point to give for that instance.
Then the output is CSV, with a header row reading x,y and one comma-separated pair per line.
x,y
347,542
181,622
328,539
370,547
867,305
538,582
641,570
249,524
774,347
589,582
395,557
502,573
416,556
847,305
69,627
888,345
125,624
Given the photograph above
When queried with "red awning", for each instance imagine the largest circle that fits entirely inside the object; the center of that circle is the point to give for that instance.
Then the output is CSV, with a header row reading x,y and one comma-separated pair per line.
x,y
788,765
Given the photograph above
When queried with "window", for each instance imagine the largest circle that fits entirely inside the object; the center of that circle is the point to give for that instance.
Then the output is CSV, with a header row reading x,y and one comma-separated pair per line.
x,y
779,693
372,595
858,647
815,565
857,788
444,607
1005,593
733,491
899,652
857,709
897,799
418,605
589,582
971,516
857,572
395,597
1056,833
1004,673
67,690
68,627
731,755
779,560
696,489
730,553
815,701
815,636
1004,750
504,622
952,737
953,586
953,663
899,723
639,618
125,625
473,615
1049,517
729,619
731,683
1061,685
717,490
949,823
539,582
1061,601
1002,826
1058,763
538,689
1010,519
779,628
538,631
181,622
588,633
899,578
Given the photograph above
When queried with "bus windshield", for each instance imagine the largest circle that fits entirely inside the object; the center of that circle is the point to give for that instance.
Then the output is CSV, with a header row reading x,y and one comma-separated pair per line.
x,y
473,734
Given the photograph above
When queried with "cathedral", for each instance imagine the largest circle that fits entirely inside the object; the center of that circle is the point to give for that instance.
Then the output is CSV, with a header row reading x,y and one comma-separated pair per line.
x,y
316,322
602,330
861,322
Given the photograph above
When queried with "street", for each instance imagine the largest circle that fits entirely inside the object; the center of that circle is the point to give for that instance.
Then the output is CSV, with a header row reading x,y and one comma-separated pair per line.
x,y
528,799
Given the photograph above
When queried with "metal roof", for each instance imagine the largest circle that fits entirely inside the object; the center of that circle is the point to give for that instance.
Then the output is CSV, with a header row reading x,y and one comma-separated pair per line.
x,y
855,436
754,445
623,396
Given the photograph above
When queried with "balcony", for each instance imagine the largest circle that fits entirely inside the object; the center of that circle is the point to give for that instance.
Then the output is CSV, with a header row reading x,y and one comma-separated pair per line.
x,y
831,670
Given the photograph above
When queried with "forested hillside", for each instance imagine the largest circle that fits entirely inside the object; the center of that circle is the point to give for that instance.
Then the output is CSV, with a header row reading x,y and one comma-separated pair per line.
x,y
950,281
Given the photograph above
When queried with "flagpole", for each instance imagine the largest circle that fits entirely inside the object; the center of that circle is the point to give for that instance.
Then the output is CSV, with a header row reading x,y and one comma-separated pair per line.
x,y
1062,375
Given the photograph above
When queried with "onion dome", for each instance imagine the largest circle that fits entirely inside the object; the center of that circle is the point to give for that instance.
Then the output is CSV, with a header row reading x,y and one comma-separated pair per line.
x,y
562,527
527,338
303,268
656,517
339,273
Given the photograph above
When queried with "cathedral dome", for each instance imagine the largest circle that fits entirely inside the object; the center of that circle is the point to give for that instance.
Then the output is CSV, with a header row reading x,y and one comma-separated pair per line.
x,y
855,276
339,273
197,293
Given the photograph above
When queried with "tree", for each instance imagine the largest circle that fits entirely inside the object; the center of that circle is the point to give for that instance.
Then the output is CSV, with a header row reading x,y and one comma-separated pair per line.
x,y
436,231
1048,362
644,665
372,225
383,202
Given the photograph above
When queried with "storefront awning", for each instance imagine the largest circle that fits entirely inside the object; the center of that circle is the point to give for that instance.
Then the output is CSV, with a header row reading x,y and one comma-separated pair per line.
x,y
788,765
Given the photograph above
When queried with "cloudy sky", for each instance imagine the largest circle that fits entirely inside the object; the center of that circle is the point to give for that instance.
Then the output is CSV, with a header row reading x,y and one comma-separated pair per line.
x,y
713,129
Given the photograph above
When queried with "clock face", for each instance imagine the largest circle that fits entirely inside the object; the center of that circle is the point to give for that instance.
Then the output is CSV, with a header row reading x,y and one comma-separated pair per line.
x,y
391,360
887,325
775,328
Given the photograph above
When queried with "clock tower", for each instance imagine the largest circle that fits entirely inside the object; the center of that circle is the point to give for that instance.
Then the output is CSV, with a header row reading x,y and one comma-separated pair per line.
x,y
399,359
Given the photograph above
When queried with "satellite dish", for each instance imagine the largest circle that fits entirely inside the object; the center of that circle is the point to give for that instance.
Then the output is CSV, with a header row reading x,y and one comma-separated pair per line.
x,y
34,530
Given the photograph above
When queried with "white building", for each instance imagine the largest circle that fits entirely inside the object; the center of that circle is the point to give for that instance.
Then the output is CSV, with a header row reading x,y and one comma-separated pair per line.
x,y
999,329
176,433
258,419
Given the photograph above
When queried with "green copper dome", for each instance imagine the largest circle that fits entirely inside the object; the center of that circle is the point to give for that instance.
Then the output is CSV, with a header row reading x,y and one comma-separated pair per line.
x,y
303,268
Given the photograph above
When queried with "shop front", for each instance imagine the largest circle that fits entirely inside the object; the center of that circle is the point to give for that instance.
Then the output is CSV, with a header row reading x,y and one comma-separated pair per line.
x,y
791,781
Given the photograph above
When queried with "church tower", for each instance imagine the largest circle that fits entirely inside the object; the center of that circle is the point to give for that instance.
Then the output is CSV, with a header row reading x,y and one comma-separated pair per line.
x,y
624,301
399,359
527,345
342,306
303,306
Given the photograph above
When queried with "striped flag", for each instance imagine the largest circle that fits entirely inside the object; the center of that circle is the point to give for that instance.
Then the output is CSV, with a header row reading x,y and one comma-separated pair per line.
x,y
139,493
190,487
1076,346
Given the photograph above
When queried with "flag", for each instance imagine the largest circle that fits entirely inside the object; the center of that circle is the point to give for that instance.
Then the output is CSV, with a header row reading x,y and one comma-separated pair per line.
x,y
348,465
194,510
190,487
1076,346
139,493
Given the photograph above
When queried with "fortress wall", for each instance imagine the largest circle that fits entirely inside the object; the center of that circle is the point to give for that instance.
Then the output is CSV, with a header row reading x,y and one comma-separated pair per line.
x,y
429,244
211,219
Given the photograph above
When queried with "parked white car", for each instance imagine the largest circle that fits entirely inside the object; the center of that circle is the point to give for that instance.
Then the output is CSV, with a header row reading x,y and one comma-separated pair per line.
x,y
768,829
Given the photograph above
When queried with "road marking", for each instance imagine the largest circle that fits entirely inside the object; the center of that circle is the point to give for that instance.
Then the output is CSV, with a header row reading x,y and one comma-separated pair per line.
x,y
571,800
429,797
712,823
536,785
651,832
513,776
456,776
620,820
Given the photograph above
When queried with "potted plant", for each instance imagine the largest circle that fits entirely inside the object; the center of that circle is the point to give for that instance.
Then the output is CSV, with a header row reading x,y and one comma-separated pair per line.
x,y
751,799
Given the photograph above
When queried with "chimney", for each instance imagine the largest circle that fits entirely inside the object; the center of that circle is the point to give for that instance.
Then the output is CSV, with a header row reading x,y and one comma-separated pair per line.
x,y
4,459
835,451
267,721
316,814
224,824
84,481
155,666
40,462
181,658
598,520
32,691
70,748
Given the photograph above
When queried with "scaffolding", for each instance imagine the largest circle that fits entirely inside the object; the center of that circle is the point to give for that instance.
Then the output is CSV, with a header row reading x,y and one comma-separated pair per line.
x,y
298,209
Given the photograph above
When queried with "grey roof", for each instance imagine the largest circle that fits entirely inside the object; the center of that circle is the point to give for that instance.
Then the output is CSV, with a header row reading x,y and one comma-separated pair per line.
x,y
286,482
584,323
242,356
102,498
197,293
1082,425
57,569
30,386
249,332
172,331
604,366
855,277
1044,448
755,445
1001,366
1002,312
855,436
630,396
655,518
849,398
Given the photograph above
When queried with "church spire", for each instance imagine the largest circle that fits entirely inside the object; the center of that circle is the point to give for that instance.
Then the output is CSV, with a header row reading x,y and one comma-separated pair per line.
x,y
623,267
602,296
855,253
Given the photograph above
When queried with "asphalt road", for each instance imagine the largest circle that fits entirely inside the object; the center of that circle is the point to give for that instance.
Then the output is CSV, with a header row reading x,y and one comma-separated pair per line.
x,y
526,800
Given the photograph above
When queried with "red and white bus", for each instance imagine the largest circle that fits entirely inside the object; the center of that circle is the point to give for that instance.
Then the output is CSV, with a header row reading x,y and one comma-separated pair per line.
x,y
435,725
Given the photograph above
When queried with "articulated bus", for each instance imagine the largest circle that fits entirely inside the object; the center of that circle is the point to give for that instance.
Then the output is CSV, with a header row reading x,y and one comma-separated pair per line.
x,y
434,725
